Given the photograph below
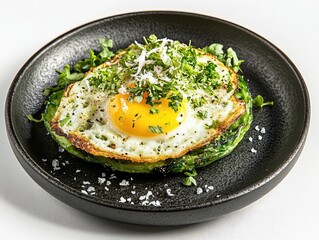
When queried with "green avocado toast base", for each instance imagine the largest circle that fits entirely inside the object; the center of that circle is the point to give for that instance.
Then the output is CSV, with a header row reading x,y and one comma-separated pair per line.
x,y
218,148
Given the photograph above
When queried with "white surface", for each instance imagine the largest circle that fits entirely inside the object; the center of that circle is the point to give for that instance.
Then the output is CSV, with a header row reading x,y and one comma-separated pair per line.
x,y
290,211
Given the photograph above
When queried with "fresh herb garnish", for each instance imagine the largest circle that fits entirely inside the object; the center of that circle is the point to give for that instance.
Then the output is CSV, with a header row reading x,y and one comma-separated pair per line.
x,y
190,180
94,60
155,129
31,118
65,78
230,58
202,114
258,101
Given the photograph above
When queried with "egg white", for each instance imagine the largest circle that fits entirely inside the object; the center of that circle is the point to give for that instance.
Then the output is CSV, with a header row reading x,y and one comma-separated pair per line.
x,y
83,112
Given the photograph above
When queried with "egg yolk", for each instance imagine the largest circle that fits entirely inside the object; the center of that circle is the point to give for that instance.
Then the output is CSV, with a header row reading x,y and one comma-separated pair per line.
x,y
140,119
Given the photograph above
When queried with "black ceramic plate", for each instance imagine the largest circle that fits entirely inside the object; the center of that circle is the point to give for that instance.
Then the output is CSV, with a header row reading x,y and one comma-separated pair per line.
x,y
228,184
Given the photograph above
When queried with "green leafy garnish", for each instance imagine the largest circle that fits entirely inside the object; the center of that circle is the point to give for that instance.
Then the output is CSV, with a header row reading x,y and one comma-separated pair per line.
x,y
232,60
94,60
258,101
216,49
190,180
65,78
155,129
31,118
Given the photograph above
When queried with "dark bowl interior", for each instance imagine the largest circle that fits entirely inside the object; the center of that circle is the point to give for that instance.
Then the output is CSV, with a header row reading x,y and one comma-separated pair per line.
x,y
238,179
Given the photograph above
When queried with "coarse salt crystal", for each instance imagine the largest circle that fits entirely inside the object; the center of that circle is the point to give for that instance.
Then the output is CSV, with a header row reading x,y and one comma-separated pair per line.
x,y
257,128
253,150
101,180
55,164
85,192
122,200
90,189
260,137
263,130
133,192
112,176
199,190
61,149
148,194
78,170
124,183
169,192
86,183
250,139
106,188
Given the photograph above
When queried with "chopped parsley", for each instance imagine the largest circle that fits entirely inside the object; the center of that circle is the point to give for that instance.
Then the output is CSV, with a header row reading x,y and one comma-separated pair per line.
x,y
155,129
65,120
258,101
153,110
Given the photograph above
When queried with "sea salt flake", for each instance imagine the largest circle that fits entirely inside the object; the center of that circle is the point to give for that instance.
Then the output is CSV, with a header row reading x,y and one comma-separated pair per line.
x,y
103,174
124,183
199,190
122,200
129,199
146,197
253,150
61,149
257,128
263,130
101,180
144,203
55,164
260,137
90,189
78,170
108,183
169,192
155,203
106,188
85,192
86,183
133,192
112,176
250,139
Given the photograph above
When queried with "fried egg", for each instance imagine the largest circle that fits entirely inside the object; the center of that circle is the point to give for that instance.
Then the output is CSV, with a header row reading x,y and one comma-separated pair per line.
x,y
190,100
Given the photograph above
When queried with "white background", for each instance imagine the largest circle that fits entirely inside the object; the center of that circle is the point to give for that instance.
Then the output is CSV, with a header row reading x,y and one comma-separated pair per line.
x,y
290,211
